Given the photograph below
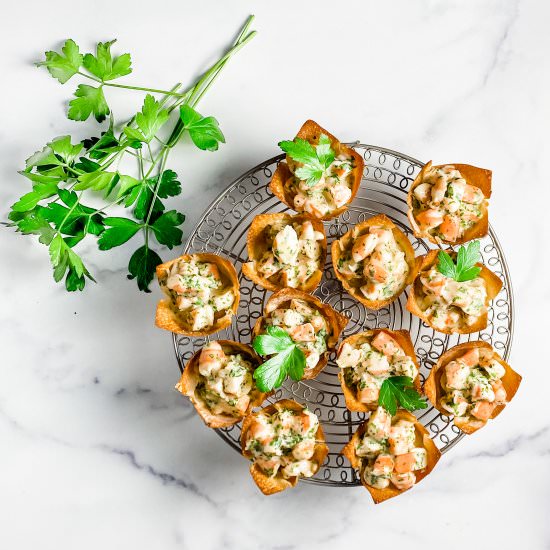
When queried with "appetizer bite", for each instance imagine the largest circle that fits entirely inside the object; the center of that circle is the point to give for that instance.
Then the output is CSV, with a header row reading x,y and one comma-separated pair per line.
x,y
219,382
374,261
391,453
453,296
202,291
286,252
448,203
473,383
368,358
312,325
284,441
320,176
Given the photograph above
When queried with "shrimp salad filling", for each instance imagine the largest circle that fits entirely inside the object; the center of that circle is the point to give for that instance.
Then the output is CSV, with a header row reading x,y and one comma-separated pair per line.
x,y
284,443
445,206
389,452
377,259
225,381
331,192
305,325
450,304
197,292
366,365
473,385
293,255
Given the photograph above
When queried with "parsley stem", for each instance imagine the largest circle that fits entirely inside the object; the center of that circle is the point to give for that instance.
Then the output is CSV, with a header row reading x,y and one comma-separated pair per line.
x,y
129,87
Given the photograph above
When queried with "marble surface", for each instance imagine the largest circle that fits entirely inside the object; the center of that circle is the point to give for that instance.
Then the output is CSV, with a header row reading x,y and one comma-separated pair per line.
x,y
98,449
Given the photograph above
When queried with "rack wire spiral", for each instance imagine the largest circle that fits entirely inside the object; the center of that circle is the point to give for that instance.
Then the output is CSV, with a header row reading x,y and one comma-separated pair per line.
x,y
386,180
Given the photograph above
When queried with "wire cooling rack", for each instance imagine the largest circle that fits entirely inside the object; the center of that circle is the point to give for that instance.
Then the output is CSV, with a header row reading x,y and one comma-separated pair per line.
x,y
386,180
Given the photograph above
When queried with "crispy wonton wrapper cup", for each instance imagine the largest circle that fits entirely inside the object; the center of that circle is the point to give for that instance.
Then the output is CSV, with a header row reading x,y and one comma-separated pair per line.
x,y
492,282
191,376
311,131
257,246
478,177
353,284
336,322
168,318
434,390
423,439
270,485
402,337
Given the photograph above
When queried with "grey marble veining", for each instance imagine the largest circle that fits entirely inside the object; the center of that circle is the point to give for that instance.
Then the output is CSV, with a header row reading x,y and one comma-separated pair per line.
x,y
98,449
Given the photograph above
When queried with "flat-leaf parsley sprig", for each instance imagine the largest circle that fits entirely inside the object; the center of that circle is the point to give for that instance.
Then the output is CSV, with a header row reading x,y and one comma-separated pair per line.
x,y
399,391
64,173
288,359
314,160
465,268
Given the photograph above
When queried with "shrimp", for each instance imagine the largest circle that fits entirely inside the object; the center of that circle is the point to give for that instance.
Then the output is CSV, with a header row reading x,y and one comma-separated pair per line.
x,y
341,194
483,410
429,219
384,343
211,358
363,246
450,228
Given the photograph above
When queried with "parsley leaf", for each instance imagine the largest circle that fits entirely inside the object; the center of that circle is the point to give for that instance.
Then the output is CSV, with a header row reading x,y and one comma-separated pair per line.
x,y
39,192
63,66
97,180
33,222
166,228
104,66
314,160
150,120
288,359
465,268
88,100
120,231
142,266
63,259
399,390
204,131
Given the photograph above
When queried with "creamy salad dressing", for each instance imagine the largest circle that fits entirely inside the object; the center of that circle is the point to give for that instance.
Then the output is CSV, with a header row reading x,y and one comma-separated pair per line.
x,y
376,258
331,192
305,325
473,385
284,442
449,303
444,205
366,365
225,381
197,292
389,452
294,252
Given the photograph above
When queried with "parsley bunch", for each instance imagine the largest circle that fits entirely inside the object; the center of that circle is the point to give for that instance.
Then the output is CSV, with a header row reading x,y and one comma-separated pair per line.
x,y
288,359
314,160
64,173
465,268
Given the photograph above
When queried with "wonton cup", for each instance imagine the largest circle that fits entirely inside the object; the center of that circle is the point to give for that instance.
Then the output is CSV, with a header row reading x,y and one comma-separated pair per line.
x,y
336,322
353,284
167,316
434,390
191,377
257,246
402,337
271,485
423,439
311,131
492,282
478,177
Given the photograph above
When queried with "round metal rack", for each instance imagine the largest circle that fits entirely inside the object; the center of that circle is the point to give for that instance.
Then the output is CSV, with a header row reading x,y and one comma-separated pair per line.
x,y
386,179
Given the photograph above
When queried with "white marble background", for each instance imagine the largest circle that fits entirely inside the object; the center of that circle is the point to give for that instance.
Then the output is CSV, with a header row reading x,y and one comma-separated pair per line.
x,y
97,449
